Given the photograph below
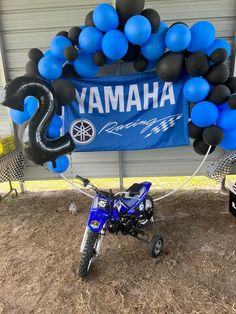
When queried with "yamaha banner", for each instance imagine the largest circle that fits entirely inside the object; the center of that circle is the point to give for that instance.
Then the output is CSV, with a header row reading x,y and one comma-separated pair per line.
x,y
133,112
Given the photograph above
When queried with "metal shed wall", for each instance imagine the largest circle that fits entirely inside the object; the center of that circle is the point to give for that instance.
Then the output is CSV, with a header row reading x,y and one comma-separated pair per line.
x,y
29,23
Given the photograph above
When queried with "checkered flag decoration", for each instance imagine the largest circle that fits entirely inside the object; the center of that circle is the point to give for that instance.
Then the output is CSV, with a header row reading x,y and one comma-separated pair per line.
x,y
232,198
12,167
165,124
234,188
219,169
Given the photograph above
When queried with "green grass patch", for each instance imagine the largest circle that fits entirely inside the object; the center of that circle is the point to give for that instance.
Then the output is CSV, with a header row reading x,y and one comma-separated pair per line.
x,y
161,183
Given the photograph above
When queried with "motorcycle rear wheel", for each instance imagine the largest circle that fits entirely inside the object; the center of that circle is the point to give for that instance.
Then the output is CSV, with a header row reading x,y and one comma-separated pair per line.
x,y
149,206
88,254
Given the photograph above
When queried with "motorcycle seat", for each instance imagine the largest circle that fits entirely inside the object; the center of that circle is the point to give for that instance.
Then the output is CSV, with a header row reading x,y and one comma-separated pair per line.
x,y
134,192
135,189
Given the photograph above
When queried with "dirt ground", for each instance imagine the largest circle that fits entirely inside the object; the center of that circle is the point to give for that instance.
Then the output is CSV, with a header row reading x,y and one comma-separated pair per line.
x,y
39,253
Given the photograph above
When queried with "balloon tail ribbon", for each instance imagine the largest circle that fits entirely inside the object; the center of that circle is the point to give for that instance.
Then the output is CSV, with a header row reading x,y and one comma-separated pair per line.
x,y
157,199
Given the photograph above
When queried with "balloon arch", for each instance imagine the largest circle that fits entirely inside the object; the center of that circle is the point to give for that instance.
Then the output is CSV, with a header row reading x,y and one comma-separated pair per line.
x,y
132,34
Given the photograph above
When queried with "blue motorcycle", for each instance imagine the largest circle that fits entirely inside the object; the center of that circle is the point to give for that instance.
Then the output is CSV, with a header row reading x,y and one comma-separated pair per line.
x,y
126,212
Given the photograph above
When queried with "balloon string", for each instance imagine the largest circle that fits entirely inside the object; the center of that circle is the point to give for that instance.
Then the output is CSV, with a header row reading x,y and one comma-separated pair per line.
x,y
187,181
75,186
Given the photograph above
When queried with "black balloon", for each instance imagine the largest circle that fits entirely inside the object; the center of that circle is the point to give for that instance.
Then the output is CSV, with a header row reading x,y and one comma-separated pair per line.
x,y
178,23
73,34
201,148
132,53
59,110
154,19
219,94
89,19
62,33
197,64
69,71
71,53
218,74
140,64
35,55
39,149
128,8
65,91
186,53
232,102
170,66
213,135
190,106
195,132
219,56
231,83
99,59
31,69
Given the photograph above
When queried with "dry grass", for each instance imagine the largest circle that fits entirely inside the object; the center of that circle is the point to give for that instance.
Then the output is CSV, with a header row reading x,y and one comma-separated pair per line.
x,y
39,243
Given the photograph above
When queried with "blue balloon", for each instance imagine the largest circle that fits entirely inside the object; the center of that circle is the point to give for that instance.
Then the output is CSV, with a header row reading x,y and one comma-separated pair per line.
x,y
138,29
163,28
223,107
19,117
229,141
155,47
219,43
62,164
85,66
178,37
196,89
151,64
115,45
90,39
48,53
53,132
202,36
58,45
204,114
105,17
50,68
227,120
31,105
56,122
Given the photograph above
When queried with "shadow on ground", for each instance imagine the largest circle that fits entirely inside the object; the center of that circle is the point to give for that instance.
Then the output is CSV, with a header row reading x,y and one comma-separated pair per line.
x,y
39,244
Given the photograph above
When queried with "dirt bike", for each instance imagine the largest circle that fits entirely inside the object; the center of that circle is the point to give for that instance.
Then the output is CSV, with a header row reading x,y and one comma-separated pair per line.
x,y
126,212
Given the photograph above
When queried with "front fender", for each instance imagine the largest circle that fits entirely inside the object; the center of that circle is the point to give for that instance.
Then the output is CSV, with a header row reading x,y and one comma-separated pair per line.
x,y
97,219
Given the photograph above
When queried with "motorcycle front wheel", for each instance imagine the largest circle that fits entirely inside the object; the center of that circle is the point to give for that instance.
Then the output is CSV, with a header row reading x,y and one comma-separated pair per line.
x,y
88,254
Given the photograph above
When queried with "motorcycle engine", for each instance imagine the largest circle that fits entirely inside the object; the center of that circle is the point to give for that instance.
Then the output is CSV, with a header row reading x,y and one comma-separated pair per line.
x,y
126,225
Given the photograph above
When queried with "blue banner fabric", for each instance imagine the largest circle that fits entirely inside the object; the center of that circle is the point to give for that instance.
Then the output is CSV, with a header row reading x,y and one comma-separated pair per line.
x,y
134,112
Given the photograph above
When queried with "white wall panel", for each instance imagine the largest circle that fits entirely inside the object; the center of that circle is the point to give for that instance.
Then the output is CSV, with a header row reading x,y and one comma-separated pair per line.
x,y
5,128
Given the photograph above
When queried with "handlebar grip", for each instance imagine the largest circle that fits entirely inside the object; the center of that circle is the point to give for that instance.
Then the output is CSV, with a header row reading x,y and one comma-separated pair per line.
x,y
85,181
80,178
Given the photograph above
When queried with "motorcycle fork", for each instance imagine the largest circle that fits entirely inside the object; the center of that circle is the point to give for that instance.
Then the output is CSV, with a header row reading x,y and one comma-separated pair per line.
x,y
98,243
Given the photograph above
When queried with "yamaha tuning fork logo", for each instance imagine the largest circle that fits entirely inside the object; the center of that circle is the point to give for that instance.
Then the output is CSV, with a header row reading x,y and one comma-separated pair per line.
x,y
83,131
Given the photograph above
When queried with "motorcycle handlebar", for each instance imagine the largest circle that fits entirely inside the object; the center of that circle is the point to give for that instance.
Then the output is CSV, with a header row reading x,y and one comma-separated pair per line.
x,y
85,181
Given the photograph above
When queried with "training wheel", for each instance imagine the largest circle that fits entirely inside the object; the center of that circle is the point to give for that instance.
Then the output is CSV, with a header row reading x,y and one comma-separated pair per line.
x,y
155,246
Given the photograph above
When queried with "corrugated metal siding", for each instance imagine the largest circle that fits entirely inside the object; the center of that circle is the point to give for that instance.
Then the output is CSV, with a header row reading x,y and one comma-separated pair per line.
x,y
4,119
27,24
